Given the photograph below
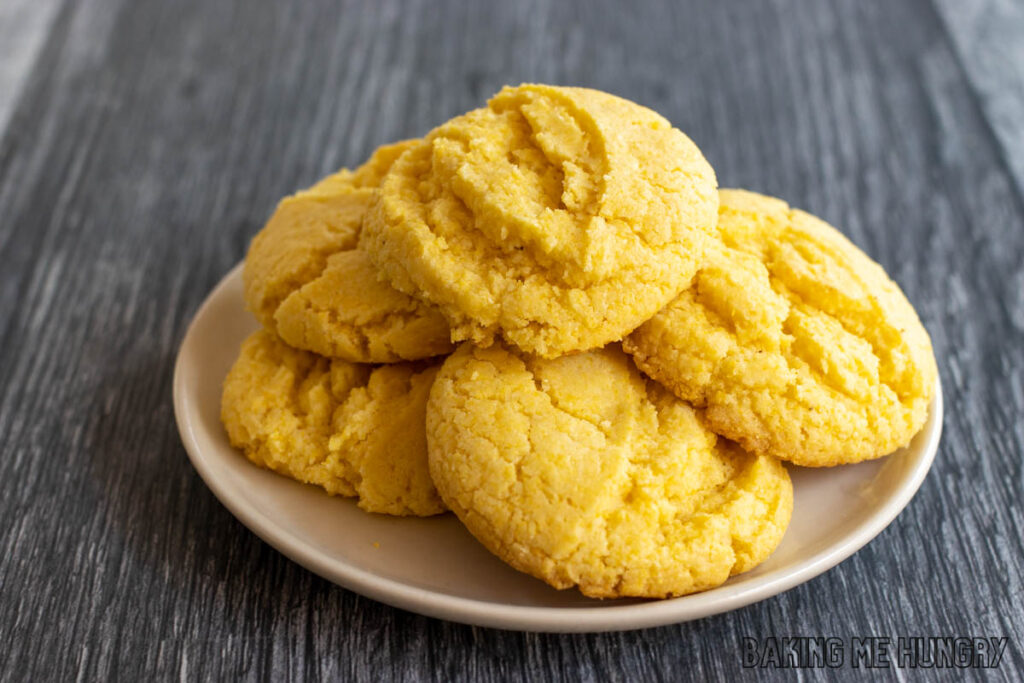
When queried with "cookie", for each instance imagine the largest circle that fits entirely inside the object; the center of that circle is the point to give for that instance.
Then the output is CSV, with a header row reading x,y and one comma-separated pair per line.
x,y
580,471
796,343
306,281
352,429
556,218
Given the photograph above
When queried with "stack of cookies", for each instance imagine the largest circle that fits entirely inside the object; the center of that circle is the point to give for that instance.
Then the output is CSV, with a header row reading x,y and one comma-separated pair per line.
x,y
545,317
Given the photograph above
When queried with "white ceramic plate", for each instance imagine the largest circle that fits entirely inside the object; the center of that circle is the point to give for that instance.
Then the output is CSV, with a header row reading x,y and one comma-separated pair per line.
x,y
433,566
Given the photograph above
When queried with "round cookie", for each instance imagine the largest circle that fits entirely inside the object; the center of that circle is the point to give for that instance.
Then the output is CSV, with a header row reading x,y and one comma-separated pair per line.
x,y
557,218
352,429
796,343
306,280
580,471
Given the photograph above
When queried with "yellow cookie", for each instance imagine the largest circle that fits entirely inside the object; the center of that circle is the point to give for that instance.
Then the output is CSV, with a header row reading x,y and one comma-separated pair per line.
x,y
306,280
797,343
557,218
352,429
580,471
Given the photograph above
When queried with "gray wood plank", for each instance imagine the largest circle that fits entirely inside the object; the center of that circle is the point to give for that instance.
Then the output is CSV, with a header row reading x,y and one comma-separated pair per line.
x,y
148,144
987,37
24,25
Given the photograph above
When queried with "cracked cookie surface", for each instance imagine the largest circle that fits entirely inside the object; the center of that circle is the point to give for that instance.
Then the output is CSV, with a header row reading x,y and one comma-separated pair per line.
x,y
306,280
352,429
556,218
581,471
796,343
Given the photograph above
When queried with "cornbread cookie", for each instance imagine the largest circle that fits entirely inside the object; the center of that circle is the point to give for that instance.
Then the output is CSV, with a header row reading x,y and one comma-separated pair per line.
x,y
796,342
306,280
559,218
580,471
352,429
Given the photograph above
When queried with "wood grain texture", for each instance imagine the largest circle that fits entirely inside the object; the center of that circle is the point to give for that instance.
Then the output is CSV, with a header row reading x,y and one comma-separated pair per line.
x,y
24,25
987,36
147,146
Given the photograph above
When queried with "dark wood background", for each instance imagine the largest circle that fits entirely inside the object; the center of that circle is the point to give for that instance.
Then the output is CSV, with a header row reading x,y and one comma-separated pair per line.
x,y
144,143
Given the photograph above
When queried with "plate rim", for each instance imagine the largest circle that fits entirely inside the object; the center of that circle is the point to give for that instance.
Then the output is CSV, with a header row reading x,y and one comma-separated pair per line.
x,y
477,612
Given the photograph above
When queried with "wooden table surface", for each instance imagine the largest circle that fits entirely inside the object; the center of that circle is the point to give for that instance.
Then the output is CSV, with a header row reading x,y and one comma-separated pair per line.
x,y
142,144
